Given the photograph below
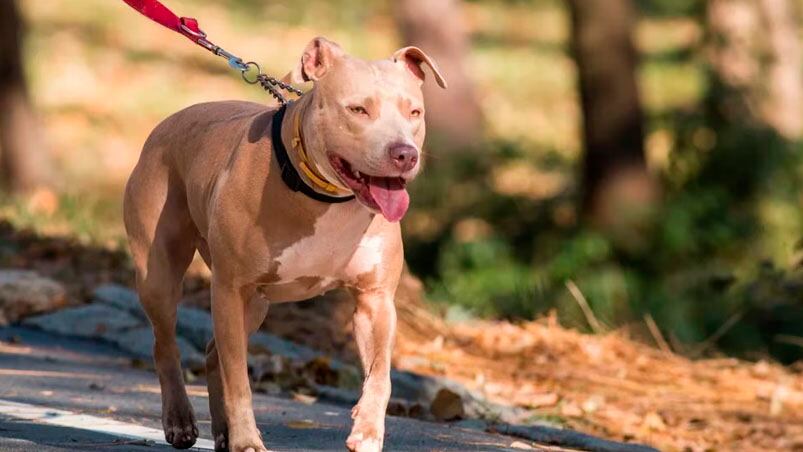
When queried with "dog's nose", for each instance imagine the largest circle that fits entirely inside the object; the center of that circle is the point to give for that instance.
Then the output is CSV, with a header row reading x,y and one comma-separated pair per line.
x,y
404,156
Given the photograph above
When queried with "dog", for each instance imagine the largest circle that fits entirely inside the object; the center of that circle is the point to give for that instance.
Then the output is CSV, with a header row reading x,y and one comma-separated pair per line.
x,y
282,205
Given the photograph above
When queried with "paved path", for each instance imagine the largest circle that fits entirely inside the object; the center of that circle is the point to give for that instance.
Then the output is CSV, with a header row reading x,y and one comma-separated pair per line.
x,y
60,394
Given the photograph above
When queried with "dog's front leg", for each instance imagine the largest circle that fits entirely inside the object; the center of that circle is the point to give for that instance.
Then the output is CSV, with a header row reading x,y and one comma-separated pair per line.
x,y
231,339
254,316
374,331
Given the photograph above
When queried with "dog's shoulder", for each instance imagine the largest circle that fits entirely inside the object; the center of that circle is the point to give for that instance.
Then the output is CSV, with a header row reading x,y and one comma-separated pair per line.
x,y
219,111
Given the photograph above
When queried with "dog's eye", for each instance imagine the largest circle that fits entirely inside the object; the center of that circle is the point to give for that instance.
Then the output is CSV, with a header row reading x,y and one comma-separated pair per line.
x,y
416,113
358,110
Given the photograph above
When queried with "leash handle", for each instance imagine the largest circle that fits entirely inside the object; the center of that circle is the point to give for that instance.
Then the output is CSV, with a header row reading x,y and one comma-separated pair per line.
x,y
188,27
159,13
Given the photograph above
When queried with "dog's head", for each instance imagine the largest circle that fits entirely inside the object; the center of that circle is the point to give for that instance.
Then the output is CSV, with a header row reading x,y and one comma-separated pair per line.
x,y
364,121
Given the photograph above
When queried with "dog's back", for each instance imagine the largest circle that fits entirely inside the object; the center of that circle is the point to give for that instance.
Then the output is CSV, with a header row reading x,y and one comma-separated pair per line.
x,y
201,136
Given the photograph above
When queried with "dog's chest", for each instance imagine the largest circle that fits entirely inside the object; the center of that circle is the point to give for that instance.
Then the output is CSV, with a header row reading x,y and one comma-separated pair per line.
x,y
338,247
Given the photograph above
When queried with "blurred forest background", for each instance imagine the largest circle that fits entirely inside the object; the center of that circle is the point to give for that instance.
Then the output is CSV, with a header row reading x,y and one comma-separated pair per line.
x,y
614,161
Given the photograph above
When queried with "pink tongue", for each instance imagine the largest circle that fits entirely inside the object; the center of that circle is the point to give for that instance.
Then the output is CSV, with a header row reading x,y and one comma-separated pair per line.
x,y
391,196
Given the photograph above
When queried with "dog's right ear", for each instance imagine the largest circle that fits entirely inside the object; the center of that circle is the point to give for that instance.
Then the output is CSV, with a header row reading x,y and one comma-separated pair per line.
x,y
319,55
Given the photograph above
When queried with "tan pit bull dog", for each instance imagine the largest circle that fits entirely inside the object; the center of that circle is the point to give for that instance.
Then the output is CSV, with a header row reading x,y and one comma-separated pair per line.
x,y
282,205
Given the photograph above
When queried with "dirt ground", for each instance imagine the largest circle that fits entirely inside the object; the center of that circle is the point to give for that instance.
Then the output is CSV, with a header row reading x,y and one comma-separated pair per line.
x,y
615,387
609,385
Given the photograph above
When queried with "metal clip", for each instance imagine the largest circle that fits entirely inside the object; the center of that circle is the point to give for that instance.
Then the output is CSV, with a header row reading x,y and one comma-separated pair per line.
x,y
244,71
198,34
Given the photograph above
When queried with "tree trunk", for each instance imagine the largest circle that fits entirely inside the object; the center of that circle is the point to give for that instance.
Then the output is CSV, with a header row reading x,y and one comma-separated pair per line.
x,y
454,118
21,153
782,107
755,53
732,28
615,175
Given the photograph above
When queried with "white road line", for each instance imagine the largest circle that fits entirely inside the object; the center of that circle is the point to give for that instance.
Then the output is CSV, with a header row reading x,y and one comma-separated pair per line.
x,y
62,418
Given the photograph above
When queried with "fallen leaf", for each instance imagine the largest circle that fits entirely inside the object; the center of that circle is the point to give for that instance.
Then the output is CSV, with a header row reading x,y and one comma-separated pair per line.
x,y
593,404
43,201
303,424
653,421
416,411
447,405
304,398
321,372
777,400
571,409
397,407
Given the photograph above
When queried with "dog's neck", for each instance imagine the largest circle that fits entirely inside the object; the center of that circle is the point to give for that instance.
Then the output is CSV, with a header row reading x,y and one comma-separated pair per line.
x,y
311,166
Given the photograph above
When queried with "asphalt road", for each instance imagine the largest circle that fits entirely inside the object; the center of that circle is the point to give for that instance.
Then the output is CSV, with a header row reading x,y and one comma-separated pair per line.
x,y
61,394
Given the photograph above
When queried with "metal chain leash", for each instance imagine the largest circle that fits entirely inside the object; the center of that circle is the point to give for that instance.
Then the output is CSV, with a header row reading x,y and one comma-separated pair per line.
x,y
268,83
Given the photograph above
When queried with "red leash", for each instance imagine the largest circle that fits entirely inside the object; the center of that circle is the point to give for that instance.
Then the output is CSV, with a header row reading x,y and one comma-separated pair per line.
x,y
188,27
159,13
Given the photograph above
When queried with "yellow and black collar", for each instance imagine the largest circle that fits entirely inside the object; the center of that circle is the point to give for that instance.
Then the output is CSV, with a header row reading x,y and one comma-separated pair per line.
x,y
290,175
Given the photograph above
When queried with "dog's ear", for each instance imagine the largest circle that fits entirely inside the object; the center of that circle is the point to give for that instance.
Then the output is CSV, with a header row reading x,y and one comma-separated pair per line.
x,y
319,55
412,58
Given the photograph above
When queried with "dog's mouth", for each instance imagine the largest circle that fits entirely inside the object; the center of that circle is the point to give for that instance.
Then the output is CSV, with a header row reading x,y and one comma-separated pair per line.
x,y
387,195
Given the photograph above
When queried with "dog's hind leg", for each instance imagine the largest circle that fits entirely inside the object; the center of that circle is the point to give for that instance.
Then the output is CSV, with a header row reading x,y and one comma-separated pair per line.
x,y
162,237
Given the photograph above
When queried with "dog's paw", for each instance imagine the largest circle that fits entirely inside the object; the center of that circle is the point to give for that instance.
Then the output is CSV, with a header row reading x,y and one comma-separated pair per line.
x,y
246,445
364,442
180,429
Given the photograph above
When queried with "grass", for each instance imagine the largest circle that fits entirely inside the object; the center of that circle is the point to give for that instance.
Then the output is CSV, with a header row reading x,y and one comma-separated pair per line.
x,y
90,218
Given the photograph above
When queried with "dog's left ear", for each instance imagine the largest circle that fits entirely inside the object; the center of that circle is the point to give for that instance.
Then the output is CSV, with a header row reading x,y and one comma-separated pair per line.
x,y
319,55
412,58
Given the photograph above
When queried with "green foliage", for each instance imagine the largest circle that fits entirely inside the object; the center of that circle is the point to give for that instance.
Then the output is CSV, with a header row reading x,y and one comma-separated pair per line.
x,y
502,289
